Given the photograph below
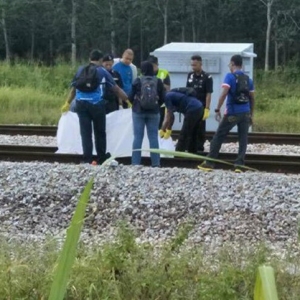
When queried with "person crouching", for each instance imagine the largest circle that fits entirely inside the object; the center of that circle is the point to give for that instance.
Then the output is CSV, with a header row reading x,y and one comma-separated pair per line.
x,y
181,100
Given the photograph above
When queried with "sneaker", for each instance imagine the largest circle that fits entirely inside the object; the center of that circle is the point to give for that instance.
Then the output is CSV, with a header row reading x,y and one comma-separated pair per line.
x,y
205,167
239,169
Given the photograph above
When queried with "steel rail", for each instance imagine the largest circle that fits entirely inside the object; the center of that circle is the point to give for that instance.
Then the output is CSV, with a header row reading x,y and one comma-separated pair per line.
x,y
262,162
254,137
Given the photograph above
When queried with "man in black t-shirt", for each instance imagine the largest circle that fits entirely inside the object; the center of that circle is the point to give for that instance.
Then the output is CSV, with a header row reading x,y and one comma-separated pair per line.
x,y
202,83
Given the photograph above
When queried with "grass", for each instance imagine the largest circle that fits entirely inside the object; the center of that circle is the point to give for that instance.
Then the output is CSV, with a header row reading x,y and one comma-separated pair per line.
x,y
123,269
31,94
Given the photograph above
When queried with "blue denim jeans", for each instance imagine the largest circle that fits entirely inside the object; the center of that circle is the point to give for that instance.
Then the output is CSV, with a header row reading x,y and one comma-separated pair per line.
x,y
242,121
151,121
92,114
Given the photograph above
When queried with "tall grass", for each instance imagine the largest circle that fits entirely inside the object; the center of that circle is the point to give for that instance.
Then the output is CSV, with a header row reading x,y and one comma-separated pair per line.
x,y
123,269
31,94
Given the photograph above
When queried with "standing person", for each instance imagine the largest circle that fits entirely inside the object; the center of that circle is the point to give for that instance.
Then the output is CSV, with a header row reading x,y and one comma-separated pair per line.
x,y
147,96
112,101
88,88
239,90
202,82
165,77
127,70
181,100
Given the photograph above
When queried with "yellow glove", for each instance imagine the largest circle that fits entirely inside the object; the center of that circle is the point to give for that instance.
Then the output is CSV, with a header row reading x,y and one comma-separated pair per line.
x,y
129,103
161,133
65,108
167,134
205,114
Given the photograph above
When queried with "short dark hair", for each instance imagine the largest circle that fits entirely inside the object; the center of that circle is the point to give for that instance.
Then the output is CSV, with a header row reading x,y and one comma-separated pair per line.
x,y
96,55
196,57
153,59
237,60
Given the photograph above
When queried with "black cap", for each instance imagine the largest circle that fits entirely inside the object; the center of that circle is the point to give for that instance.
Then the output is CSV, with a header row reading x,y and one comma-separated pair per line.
x,y
153,59
108,57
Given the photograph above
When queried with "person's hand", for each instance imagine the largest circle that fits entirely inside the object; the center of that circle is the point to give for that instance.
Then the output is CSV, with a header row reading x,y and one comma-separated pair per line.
x,y
66,107
218,116
167,134
205,114
161,133
129,103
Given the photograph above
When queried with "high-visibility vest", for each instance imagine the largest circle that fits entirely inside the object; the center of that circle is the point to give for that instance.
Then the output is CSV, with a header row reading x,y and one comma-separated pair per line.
x,y
162,74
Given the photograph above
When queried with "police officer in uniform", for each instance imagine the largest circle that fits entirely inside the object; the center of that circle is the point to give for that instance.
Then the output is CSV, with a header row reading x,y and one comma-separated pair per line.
x,y
112,102
202,83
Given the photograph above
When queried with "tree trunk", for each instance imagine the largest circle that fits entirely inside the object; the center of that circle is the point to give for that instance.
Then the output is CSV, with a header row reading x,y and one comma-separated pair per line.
x,y
7,50
268,33
112,24
193,28
166,22
32,42
73,33
51,53
276,46
129,32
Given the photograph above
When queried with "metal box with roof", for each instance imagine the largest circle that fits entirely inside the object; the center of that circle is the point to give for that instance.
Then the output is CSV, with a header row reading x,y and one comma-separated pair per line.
x,y
175,57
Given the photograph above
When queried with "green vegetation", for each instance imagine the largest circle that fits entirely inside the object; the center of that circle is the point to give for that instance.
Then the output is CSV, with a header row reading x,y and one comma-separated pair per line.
x,y
125,270
31,94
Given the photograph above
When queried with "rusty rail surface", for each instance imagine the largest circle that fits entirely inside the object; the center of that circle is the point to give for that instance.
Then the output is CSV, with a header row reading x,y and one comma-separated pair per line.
x,y
261,162
254,137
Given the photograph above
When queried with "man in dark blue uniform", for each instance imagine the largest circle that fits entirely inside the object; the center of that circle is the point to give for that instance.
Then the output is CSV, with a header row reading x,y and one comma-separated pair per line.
x,y
179,100
202,83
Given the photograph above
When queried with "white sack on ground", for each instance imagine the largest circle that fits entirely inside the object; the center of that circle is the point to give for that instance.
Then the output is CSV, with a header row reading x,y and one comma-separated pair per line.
x,y
119,135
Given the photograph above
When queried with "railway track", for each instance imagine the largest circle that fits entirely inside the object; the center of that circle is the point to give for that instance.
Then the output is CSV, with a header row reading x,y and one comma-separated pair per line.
x,y
270,163
254,137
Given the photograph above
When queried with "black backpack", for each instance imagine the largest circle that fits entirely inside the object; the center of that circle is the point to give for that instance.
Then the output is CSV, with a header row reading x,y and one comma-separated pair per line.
x,y
242,93
88,79
148,97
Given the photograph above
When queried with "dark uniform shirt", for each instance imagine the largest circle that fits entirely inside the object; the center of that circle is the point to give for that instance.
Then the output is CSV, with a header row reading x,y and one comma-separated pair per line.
x,y
202,83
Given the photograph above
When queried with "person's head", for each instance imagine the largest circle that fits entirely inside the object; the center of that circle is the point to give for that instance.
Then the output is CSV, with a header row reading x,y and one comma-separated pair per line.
x,y
196,63
236,62
153,59
108,61
96,57
127,57
147,68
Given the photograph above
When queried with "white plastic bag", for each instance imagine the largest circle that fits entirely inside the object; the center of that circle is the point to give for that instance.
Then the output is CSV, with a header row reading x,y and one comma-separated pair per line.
x,y
119,135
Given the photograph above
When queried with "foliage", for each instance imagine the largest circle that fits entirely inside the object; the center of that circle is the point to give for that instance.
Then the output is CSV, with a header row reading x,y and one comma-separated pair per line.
x,y
123,269
41,30
68,253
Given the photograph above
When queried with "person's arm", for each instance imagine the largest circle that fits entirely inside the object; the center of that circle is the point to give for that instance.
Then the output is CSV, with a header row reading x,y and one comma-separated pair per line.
x,y
252,104
71,95
161,92
167,83
168,121
222,98
209,91
110,83
188,83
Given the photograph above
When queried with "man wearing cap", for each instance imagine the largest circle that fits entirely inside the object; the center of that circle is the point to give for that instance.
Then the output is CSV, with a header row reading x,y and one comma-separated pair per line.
x,y
165,77
202,83
112,101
